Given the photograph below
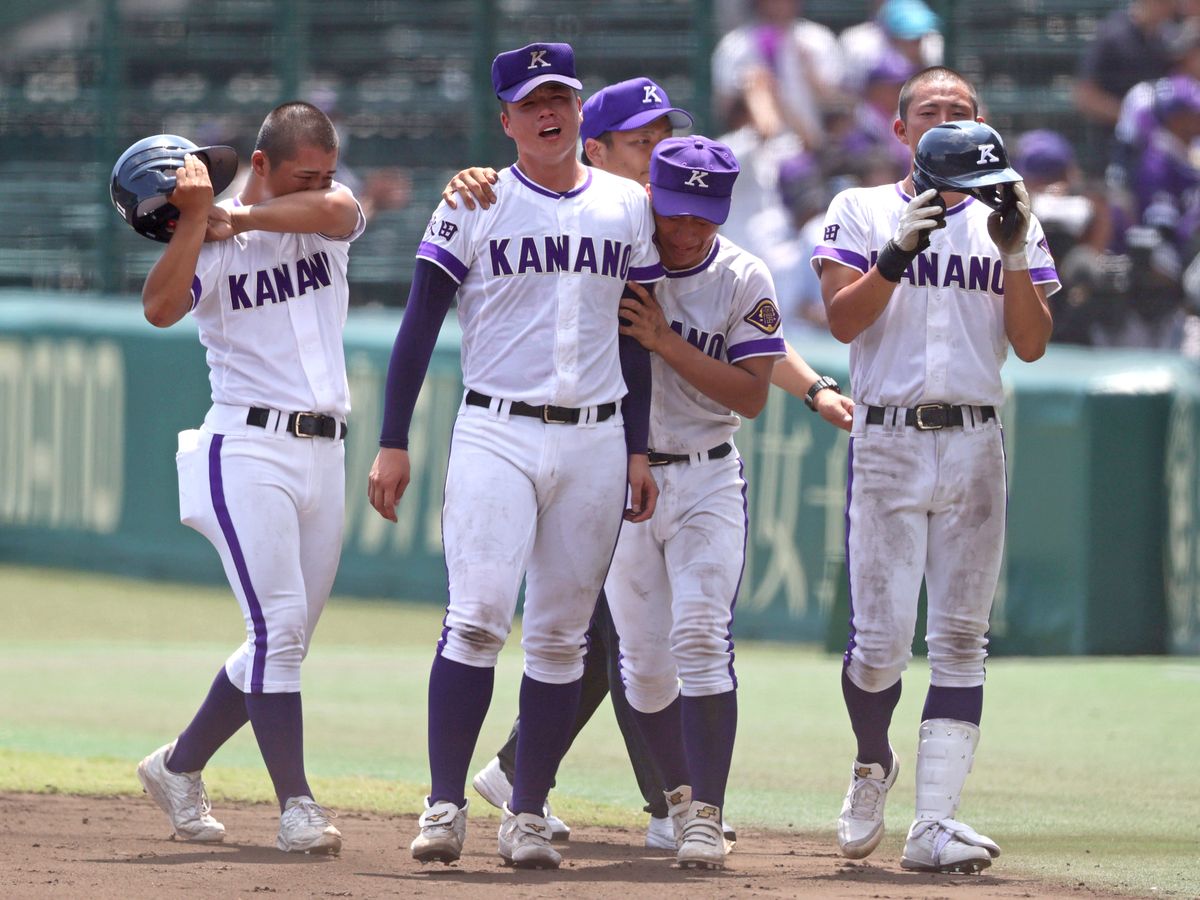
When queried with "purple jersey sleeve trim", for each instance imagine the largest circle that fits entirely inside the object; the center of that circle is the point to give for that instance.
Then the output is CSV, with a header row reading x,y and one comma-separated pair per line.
x,y
848,257
646,274
1041,276
763,347
196,289
444,259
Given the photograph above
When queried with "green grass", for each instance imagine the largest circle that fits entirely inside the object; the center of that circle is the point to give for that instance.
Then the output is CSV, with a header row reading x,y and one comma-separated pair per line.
x,y
1086,769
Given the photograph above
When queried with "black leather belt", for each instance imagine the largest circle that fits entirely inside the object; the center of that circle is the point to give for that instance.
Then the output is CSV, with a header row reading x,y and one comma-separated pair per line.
x,y
661,459
551,415
300,424
935,416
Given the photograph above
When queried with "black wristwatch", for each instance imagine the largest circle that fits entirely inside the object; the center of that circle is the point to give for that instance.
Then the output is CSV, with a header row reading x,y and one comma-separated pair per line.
x,y
817,386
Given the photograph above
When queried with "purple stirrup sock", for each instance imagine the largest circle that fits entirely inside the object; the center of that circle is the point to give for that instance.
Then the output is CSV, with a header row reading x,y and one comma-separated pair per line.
x,y
459,696
278,723
964,704
871,717
220,716
663,731
547,714
709,727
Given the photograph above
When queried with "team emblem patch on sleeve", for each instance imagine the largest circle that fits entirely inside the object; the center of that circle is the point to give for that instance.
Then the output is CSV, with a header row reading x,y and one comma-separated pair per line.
x,y
765,316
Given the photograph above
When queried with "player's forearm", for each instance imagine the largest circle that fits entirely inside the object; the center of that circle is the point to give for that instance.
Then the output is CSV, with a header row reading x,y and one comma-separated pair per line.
x,y
1027,320
332,212
854,307
793,374
167,293
742,391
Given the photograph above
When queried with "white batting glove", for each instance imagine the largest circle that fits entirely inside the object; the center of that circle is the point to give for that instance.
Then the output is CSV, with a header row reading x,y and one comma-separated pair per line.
x,y
917,220
1009,229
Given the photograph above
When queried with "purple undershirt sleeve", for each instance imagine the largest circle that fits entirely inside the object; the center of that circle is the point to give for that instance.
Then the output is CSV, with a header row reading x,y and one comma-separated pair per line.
x,y
429,300
635,406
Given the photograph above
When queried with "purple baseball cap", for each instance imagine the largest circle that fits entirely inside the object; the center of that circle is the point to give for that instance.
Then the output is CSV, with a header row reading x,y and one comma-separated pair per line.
x,y
693,176
517,72
1043,154
1176,94
627,105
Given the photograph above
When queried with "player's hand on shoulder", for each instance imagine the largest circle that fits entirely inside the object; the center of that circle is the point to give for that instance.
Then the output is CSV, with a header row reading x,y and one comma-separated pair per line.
x,y
642,318
835,408
388,480
193,192
921,215
643,489
473,185
1008,227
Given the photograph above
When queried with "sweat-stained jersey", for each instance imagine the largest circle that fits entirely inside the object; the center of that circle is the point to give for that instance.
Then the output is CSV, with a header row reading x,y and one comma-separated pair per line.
x,y
941,336
530,333
726,307
271,308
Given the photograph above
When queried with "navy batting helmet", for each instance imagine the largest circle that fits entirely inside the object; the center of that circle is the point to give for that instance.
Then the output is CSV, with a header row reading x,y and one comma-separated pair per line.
x,y
964,157
145,175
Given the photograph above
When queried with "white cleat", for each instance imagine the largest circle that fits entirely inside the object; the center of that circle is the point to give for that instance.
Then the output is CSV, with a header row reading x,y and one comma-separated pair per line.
x,y
660,834
860,824
443,831
494,787
304,827
181,796
524,841
703,844
729,834
947,846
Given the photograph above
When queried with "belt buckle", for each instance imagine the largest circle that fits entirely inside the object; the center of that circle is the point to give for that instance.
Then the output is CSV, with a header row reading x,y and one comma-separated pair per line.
x,y
661,461
549,420
296,425
941,408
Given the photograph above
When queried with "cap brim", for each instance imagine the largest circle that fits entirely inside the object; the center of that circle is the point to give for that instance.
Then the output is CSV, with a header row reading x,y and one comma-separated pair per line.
x,y
681,203
512,95
1002,176
222,165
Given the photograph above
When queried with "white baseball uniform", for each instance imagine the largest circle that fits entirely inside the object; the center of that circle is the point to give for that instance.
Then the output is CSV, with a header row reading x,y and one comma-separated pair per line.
x,y
674,579
270,310
926,503
540,277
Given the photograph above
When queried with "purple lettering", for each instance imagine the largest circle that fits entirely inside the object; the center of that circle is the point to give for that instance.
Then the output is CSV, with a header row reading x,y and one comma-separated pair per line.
x,y
529,257
978,279
305,278
625,254
716,349
586,257
238,297
264,292
610,262
283,282
954,273
500,264
698,339
998,277
927,268
320,269
677,327
558,253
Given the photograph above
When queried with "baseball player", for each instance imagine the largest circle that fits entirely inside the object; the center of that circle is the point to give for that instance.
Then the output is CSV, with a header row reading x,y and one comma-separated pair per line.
x,y
264,277
622,124
930,291
543,445
714,333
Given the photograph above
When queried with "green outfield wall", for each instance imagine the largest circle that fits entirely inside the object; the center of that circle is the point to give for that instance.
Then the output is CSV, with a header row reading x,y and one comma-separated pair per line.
x,y
1104,479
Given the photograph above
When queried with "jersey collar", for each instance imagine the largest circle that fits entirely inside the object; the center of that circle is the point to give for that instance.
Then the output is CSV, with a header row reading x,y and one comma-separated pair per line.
x,y
699,267
956,208
546,192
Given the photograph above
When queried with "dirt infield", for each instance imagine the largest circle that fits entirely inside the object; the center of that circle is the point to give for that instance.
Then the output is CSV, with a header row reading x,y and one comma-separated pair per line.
x,y
62,846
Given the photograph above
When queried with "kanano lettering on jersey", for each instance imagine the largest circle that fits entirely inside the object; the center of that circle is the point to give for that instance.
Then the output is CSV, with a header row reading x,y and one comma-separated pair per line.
x,y
709,344
556,253
276,284
973,273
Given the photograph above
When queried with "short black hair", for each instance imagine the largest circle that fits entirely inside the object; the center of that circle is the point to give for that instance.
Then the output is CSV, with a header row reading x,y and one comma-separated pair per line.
x,y
934,73
290,126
